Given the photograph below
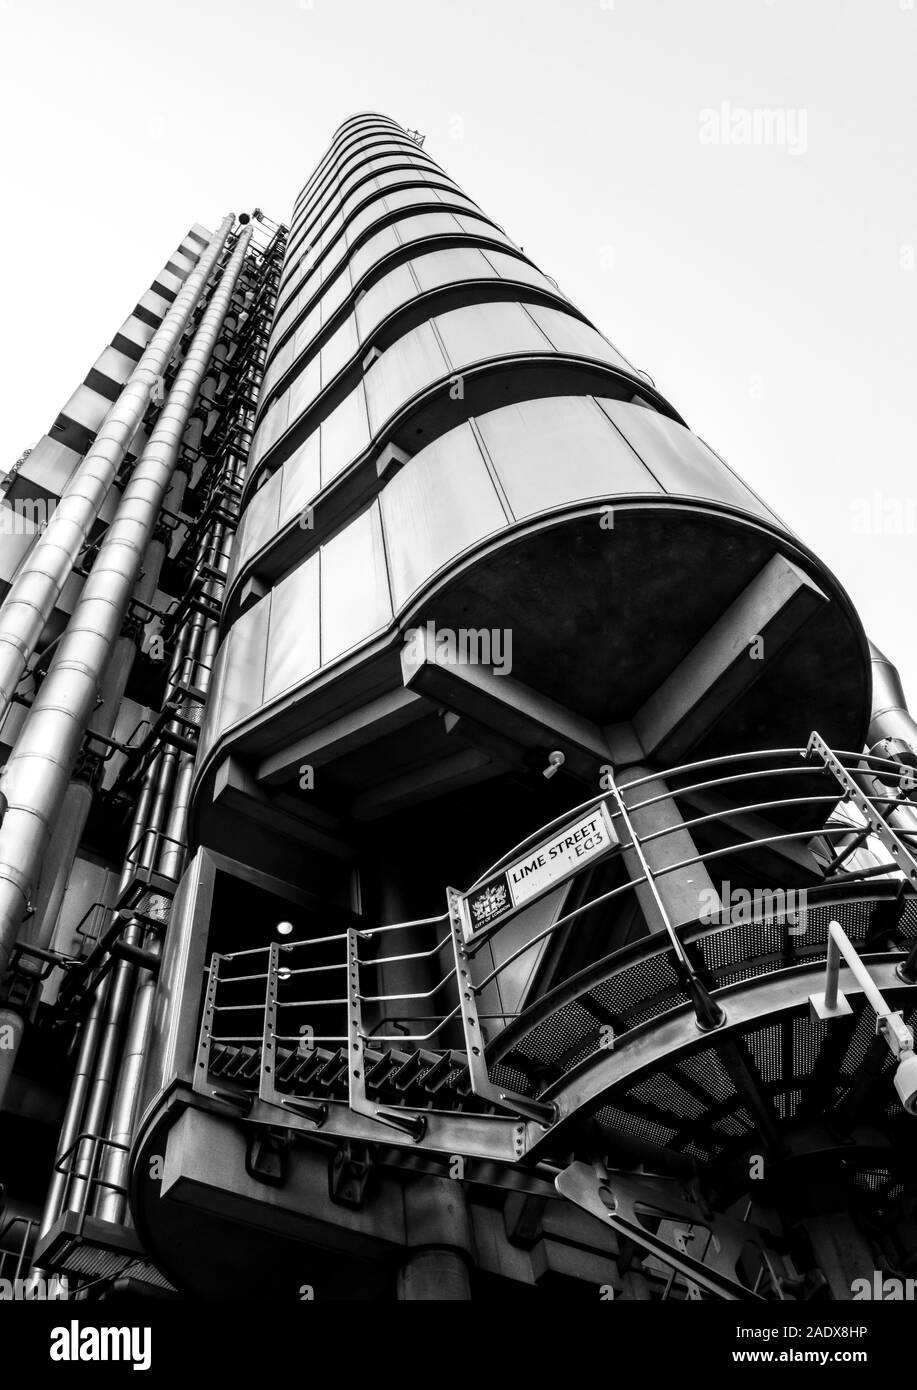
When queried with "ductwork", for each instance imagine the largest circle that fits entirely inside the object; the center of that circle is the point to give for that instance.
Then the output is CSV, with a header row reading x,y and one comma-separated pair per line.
x,y
891,723
892,734
168,790
36,776
44,571
107,1080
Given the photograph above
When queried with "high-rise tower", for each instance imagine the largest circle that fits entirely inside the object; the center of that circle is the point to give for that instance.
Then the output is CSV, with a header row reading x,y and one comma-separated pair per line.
x,y
507,787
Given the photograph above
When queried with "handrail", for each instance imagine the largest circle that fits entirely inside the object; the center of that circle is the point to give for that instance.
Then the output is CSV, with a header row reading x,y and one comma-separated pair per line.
x,y
690,977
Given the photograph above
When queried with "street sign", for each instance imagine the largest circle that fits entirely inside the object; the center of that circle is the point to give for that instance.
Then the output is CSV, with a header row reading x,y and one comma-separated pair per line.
x,y
563,854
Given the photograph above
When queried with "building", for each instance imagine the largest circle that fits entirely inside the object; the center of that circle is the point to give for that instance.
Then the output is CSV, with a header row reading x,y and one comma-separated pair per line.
x,y
439,796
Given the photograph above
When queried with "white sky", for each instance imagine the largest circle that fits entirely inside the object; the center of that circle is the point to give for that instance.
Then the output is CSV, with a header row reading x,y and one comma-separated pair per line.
x,y
769,289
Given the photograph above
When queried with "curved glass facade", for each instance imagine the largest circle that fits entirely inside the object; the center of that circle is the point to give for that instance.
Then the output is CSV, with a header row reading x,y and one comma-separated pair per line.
x,y
427,391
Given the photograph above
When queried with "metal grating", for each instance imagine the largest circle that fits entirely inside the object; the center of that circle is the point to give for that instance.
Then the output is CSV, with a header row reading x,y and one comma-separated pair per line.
x,y
652,1131
707,1071
765,1047
665,1094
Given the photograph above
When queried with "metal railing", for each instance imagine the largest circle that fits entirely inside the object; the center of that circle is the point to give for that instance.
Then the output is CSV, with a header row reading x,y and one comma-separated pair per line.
x,y
316,1028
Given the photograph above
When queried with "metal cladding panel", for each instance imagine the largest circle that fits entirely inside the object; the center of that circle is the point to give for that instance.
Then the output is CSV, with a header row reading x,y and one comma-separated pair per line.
x,y
260,519
550,452
568,334
483,467
456,263
514,268
307,330
380,244
681,462
306,386
436,507
408,365
490,330
337,352
50,465
301,476
394,289
136,331
344,434
19,535
87,408
237,686
154,304
114,365
334,295
355,591
167,280
293,650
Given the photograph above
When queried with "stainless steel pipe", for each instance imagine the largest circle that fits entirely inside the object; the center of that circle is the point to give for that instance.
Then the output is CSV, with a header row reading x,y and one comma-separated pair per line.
x,y
36,775
45,568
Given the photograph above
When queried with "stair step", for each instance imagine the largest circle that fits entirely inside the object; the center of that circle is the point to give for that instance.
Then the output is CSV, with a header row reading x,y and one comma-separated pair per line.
x,y
240,1065
332,1069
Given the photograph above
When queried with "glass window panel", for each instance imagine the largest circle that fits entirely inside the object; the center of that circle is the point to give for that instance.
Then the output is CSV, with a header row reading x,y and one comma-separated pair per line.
x,y
301,479
210,724
238,548
548,452
307,330
359,195
487,330
428,224
479,226
330,232
409,364
260,519
335,294
355,601
571,335
410,197
378,246
454,198
395,288
293,642
512,268
304,389
278,366
273,425
435,507
457,263
339,349
682,462
344,434
373,213
243,665
402,172
284,319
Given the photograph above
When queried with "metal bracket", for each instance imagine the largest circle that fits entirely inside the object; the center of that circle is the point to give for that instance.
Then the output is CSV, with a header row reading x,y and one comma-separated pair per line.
x,y
348,1173
201,1084
544,1113
313,1111
616,1199
266,1157
876,824
408,1121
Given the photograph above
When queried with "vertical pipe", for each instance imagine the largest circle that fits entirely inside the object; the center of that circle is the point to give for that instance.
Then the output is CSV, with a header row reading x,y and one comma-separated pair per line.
x,y
37,773
98,1055
36,588
191,667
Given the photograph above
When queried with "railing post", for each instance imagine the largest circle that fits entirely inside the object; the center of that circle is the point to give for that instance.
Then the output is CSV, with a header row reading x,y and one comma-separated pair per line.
x,y
543,1112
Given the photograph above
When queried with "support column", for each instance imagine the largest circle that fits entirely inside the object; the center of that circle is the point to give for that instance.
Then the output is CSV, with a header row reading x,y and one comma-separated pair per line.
x,y
685,893
440,1240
